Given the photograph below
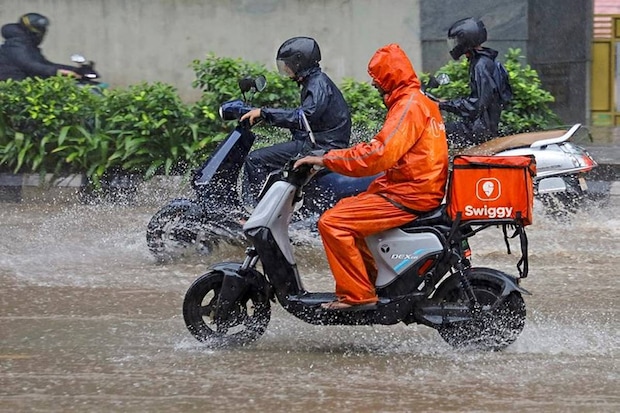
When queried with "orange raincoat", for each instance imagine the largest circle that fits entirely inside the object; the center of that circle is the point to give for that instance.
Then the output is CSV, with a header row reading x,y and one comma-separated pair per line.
x,y
412,151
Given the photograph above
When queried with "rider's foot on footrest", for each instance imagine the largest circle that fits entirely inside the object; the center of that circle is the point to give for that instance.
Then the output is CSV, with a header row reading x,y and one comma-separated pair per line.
x,y
340,306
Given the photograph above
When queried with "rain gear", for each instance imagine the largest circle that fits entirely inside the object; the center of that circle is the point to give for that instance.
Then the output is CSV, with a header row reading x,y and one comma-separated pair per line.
x,y
21,57
480,111
411,151
329,118
325,108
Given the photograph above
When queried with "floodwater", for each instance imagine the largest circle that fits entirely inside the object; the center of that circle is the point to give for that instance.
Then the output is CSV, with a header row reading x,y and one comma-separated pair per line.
x,y
89,322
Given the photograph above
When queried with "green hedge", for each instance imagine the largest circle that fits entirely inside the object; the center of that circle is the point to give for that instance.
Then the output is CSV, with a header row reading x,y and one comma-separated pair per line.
x,y
53,126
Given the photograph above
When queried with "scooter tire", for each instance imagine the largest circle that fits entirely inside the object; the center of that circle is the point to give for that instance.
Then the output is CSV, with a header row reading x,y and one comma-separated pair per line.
x,y
175,230
493,330
246,322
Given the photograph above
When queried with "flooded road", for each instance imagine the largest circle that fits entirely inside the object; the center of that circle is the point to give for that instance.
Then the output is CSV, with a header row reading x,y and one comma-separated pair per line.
x,y
90,322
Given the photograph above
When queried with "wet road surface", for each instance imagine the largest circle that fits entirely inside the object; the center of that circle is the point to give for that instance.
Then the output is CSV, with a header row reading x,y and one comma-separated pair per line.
x,y
90,322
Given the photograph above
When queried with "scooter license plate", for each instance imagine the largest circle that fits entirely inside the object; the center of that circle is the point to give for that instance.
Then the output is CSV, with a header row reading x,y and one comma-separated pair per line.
x,y
583,184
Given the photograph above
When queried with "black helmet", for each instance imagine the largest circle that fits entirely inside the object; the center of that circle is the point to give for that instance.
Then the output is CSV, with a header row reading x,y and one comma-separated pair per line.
x,y
464,35
35,23
297,55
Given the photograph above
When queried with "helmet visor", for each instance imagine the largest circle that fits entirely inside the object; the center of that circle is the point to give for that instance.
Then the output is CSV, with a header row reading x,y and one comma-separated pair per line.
x,y
283,68
452,43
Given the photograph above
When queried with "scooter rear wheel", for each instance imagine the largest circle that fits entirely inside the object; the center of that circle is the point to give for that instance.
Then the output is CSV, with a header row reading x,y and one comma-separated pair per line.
x,y
492,330
246,322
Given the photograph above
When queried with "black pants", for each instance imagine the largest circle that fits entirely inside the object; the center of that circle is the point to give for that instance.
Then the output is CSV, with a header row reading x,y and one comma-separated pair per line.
x,y
260,162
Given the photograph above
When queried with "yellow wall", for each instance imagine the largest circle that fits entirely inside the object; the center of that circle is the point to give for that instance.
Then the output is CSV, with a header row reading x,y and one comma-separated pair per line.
x,y
604,75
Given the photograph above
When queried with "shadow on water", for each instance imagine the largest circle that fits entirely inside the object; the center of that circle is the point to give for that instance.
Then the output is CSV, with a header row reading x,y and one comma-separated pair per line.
x,y
90,321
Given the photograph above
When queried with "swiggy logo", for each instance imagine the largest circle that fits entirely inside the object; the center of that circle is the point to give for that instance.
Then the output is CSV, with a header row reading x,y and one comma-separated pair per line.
x,y
435,128
488,189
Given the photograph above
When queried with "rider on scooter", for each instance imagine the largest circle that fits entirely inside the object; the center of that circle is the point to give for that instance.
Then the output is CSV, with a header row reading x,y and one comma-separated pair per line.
x,y
20,55
411,150
321,101
480,111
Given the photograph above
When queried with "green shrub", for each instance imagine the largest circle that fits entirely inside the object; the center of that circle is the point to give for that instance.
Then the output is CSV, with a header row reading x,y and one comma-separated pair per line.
x,y
54,126
35,115
367,108
153,131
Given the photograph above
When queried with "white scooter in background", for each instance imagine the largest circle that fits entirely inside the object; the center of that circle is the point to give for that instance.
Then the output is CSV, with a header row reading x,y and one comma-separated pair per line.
x,y
561,165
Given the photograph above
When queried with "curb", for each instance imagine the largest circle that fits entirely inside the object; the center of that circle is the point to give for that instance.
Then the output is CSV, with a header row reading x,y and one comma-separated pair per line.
x,y
72,189
35,188
29,188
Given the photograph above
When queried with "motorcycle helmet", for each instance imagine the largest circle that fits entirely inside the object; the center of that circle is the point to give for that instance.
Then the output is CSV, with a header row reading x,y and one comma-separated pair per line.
x,y
297,55
35,23
464,35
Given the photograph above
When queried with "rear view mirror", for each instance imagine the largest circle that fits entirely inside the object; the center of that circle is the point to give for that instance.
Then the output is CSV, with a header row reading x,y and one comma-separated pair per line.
x,y
78,58
260,82
443,79
257,84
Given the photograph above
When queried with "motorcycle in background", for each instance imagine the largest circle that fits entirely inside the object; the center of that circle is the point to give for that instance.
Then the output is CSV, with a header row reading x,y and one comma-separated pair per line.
x,y
562,165
218,209
88,74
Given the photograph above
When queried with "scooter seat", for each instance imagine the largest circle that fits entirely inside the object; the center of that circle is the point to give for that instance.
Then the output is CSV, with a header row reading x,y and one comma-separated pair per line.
x,y
504,143
435,217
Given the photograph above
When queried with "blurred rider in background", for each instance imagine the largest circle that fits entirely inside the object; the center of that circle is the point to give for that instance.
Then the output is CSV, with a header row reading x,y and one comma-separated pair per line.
x,y
20,55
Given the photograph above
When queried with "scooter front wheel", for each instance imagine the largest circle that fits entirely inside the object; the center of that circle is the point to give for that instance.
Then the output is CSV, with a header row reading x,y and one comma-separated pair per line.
x,y
176,230
246,322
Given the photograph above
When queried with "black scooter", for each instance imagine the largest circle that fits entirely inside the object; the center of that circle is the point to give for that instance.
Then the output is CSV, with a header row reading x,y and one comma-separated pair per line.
x,y
424,276
214,215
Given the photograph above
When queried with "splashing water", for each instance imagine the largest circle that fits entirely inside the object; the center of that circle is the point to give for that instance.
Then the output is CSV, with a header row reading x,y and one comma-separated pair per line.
x,y
91,321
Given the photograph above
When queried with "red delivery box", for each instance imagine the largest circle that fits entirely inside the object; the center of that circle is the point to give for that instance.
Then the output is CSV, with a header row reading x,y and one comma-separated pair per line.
x,y
492,188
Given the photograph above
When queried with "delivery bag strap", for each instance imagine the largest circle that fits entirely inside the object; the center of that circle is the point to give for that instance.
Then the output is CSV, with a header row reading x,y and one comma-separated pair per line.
x,y
522,265
403,207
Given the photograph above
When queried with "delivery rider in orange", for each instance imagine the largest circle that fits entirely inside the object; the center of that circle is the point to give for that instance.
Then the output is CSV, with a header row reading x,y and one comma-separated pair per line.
x,y
412,152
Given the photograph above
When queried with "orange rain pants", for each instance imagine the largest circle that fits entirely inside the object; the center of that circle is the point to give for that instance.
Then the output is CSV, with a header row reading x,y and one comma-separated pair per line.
x,y
343,229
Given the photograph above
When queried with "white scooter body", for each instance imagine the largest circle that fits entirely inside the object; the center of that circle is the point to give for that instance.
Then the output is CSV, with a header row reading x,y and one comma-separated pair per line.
x,y
395,251
556,157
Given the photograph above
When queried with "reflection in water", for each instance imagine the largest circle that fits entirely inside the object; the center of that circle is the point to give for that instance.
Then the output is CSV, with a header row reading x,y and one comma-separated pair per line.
x,y
90,322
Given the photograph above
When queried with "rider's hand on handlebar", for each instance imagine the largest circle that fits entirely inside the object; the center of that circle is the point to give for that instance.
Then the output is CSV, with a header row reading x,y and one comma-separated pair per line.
x,y
254,116
66,72
309,160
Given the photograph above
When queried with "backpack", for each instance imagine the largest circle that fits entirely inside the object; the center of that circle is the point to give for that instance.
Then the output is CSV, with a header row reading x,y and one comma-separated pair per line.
x,y
502,83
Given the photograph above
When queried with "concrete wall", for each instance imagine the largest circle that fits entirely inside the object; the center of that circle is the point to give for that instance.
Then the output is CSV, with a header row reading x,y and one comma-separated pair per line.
x,y
560,40
156,40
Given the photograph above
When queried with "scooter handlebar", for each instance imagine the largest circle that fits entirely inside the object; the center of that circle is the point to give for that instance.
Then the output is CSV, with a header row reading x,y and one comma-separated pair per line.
x,y
234,109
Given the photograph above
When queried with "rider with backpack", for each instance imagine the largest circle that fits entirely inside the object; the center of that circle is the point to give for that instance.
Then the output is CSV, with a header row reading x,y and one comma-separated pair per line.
x,y
20,54
488,82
